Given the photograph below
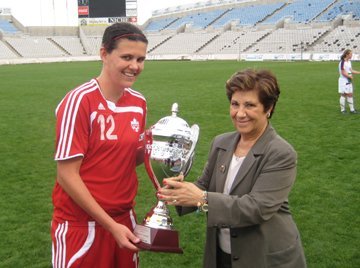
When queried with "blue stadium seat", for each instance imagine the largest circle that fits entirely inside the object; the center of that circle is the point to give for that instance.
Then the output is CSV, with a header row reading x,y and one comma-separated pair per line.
x,y
247,16
344,7
301,11
157,25
7,27
198,20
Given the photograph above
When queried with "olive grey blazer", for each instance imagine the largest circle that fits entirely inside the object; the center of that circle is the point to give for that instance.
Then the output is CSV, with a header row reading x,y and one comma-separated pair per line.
x,y
263,233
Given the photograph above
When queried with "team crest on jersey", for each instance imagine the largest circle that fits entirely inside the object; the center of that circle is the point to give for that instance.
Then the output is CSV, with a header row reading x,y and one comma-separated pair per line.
x,y
135,125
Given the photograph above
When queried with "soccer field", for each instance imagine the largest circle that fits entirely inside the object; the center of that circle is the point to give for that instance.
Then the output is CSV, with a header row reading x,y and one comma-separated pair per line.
x,y
324,200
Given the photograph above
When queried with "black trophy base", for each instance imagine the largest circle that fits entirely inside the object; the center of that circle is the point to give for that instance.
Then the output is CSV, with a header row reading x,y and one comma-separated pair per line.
x,y
159,240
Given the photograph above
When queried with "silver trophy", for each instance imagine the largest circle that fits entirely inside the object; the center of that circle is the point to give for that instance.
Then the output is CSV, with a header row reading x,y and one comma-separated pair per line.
x,y
169,152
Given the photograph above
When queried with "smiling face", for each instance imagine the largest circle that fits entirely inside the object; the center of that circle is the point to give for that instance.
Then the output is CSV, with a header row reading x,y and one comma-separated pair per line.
x,y
253,95
248,114
124,63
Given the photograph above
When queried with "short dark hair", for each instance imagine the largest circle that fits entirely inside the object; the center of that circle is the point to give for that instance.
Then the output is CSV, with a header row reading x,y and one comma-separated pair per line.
x,y
263,81
121,30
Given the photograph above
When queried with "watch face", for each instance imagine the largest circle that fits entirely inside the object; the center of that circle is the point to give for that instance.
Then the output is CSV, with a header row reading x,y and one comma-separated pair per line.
x,y
205,207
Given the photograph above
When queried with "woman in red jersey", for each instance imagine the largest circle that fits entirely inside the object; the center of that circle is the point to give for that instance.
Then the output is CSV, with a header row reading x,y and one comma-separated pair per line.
x,y
99,142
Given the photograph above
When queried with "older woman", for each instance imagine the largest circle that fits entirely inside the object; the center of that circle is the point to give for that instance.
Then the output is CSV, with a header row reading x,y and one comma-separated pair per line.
x,y
245,184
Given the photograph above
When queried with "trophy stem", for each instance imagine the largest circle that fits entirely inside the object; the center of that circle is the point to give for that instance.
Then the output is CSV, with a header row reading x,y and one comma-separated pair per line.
x,y
159,217
156,232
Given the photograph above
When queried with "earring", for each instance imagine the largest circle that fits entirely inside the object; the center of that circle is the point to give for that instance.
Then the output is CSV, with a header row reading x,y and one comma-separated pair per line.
x,y
268,115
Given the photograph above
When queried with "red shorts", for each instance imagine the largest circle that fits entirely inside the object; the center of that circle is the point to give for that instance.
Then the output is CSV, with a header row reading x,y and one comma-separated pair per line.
x,y
89,245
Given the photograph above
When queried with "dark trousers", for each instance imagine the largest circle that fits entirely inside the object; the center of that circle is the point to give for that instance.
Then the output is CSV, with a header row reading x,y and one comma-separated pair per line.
x,y
223,260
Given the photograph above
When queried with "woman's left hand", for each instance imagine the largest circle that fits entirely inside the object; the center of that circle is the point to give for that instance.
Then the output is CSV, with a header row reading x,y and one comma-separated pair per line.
x,y
180,193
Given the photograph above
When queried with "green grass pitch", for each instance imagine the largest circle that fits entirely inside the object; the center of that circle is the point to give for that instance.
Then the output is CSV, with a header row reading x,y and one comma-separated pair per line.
x,y
324,200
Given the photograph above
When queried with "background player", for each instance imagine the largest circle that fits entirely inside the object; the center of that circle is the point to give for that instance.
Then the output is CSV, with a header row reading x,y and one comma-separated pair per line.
x,y
346,82
99,139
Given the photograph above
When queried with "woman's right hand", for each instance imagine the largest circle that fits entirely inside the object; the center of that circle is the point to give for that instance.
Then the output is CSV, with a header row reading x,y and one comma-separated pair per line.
x,y
124,237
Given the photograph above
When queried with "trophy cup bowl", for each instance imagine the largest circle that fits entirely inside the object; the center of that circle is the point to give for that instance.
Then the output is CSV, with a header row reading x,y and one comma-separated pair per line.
x,y
169,152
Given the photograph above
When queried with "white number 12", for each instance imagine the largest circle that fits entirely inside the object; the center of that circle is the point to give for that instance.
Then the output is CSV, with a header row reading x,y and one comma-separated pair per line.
x,y
109,133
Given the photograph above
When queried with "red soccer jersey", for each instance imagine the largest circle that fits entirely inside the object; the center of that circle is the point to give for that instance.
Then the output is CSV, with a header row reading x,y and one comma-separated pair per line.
x,y
106,135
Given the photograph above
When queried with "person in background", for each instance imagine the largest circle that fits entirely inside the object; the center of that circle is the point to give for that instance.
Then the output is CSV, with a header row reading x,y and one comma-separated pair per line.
x,y
99,142
346,88
245,184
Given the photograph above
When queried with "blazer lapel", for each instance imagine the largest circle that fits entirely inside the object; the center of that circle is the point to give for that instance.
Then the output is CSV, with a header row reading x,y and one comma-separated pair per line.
x,y
250,159
224,158
243,170
222,170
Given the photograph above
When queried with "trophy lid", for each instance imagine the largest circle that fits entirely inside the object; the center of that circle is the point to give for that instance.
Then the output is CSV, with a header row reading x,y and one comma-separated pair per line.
x,y
172,125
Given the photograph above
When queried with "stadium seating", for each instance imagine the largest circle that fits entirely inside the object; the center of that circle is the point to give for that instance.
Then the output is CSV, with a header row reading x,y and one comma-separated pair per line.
x,y
94,44
71,44
7,27
343,7
198,20
300,11
340,39
5,52
233,42
156,40
184,43
33,47
227,29
247,16
160,24
288,40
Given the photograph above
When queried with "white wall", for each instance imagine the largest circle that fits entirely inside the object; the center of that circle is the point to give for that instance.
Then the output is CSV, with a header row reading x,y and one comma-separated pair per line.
x,y
43,12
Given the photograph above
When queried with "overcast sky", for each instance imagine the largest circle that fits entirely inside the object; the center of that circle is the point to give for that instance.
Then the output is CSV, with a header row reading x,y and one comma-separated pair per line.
x,y
31,7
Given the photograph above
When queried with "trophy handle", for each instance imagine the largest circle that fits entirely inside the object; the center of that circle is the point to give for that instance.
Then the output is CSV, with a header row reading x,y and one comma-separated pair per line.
x,y
194,138
150,171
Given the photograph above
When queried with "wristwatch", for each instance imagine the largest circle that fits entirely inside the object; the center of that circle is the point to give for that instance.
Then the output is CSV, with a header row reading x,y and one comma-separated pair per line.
x,y
203,206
